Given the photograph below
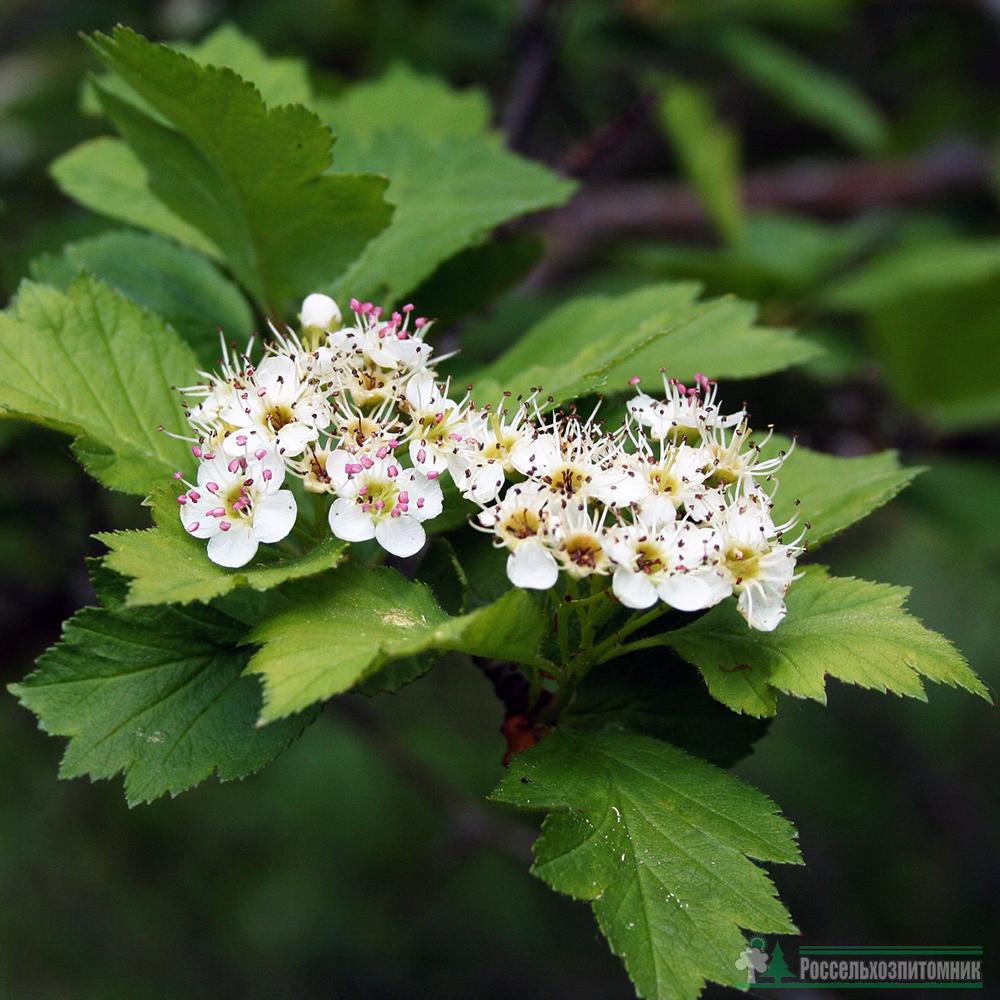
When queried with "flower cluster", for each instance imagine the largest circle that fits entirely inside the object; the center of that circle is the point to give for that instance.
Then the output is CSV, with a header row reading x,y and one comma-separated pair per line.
x,y
671,505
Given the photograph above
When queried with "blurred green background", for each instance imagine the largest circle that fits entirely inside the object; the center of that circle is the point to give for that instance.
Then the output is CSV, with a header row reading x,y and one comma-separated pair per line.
x,y
834,161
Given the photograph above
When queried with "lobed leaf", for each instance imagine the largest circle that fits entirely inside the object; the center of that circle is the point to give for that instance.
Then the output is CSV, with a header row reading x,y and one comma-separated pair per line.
x,y
597,342
91,363
660,845
252,179
165,565
853,630
450,179
181,286
834,491
340,629
155,694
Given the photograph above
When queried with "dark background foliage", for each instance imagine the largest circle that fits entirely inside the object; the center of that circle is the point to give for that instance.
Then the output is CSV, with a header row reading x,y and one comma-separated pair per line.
x,y
365,866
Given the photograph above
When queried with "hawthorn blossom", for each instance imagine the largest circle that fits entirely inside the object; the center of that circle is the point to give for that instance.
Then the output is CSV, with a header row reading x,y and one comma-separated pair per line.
x,y
670,562
684,412
436,425
378,499
238,503
481,462
522,523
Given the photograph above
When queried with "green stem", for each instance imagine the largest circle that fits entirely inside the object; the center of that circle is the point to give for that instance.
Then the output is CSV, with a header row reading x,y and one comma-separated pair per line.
x,y
631,647
633,625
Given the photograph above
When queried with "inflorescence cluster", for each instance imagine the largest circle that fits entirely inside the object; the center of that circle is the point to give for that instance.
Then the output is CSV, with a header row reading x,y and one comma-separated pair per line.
x,y
671,505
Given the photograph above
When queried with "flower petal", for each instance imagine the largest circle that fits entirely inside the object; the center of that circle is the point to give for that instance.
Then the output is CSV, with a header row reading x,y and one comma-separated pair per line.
x,y
532,566
348,522
402,536
633,589
274,516
235,547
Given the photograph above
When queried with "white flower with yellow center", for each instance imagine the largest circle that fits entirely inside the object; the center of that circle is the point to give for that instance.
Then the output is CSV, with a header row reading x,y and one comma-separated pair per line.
x,y
673,477
276,406
572,460
579,540
481,462
436,425
378,499
670,562
753,561
521,522
237,503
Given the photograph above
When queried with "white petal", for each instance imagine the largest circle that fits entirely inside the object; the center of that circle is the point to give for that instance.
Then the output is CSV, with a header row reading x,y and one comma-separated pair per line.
x,y
763,608
422,488
348,522
485,483
633,589
319,312
195,520
235,547
274,516
685,591
336,463
421,392
293,438
535,454
402,536
532,566
278,376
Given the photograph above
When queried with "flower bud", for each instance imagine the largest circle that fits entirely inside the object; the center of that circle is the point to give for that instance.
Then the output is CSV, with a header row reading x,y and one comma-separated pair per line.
x,y
320,314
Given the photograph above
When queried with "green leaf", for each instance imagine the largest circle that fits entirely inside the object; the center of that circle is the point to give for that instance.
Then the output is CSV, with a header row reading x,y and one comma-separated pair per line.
x,y
660,845
930,266
165,565
834,491
449,178
405,99
279,80
638,333
803,87
105,176
341,628
156,694
252,180
661,696
709,154
855,631
91,363
178,284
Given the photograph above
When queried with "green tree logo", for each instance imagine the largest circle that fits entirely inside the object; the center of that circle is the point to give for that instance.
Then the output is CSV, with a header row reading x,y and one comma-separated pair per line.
x,y
777,967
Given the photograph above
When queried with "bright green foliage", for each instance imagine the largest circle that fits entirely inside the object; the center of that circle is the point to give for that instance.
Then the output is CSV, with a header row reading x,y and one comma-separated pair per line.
x,y
94,364
597,342
450,179
855,631
251,179
279,80
105,176
165,565
834,491
181,286
343,627
801,86
660,844
709,154
156,694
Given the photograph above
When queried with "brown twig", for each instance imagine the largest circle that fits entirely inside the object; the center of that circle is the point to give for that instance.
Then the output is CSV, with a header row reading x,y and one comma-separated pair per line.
x,y
534,42
654,208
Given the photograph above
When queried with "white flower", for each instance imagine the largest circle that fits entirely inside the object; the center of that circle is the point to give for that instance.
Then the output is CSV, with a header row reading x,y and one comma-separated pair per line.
x,y
673,562
673,476
753,561
683,413
573,461
735,459
237,504
377,499
521,522
276,405
436,422
319,314
481,462
580,539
